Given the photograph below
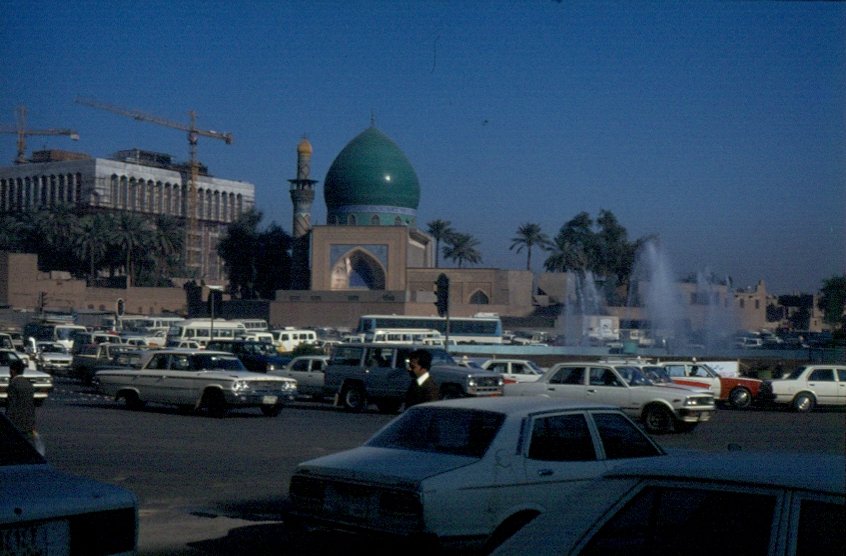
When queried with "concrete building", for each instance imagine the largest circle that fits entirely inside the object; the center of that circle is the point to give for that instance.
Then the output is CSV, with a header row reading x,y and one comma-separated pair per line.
x,y
136,181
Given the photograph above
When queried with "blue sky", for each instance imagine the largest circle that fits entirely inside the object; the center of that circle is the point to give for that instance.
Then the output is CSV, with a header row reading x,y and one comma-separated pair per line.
x,y
720,126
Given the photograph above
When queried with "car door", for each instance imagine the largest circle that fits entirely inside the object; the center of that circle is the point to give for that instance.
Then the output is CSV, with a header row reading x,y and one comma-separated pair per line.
x,y
179,384
841,386
559,456
606,386
824,385
567,382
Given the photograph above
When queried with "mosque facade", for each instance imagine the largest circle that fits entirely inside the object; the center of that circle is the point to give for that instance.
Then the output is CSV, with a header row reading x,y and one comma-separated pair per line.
x,y
371,256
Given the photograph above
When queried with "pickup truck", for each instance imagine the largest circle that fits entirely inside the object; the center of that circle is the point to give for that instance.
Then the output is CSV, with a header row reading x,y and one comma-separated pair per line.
x,y
359,374
90,358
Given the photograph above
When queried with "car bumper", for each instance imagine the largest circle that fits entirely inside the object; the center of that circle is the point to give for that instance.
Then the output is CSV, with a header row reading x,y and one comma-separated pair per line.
x,y
695,415
259,399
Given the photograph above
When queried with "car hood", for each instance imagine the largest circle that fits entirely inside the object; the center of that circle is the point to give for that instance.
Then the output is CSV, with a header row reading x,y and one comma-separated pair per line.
x,y
388,466
38,491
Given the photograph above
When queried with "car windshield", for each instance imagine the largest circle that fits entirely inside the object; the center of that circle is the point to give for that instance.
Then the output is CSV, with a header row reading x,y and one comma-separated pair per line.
x,y
633,376
657,374
53,348
441,430
218,361
534,367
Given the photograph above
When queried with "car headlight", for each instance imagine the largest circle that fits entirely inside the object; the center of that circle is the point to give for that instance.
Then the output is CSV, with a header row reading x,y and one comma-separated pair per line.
x,y
471,382
271,367
240,386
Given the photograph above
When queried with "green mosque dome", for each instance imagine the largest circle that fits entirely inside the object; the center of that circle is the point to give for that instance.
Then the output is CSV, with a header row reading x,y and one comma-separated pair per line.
x,y
371,182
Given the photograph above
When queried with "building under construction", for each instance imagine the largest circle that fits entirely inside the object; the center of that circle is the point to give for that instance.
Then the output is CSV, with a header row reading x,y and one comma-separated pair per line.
x,y
138,181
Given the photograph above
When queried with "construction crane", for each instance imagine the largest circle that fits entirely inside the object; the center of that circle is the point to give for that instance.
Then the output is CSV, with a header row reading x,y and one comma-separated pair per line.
x,y
191,231
20,129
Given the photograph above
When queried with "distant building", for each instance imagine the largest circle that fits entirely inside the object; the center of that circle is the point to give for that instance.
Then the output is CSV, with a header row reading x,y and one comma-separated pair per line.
x,y
135,180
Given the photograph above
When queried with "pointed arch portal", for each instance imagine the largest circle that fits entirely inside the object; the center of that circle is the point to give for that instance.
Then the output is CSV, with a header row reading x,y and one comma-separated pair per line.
x,y
358,270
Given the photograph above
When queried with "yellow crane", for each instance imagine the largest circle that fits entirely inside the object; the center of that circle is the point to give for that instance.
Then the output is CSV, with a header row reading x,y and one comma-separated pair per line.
x,y
192,240
21,130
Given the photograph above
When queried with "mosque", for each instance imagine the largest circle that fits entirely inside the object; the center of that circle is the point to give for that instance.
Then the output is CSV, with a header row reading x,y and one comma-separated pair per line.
x,y
372,256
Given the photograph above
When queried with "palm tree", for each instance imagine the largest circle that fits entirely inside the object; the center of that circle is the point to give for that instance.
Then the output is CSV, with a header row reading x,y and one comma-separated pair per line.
x,y
168,239
440,230
55,230
528,236
462,248
92,243
131,232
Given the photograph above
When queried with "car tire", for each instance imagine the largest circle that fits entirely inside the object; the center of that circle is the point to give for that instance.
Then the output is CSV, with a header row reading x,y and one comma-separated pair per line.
x,y
657,419
214,403
353,398
803,403
132,401
740,398
271,410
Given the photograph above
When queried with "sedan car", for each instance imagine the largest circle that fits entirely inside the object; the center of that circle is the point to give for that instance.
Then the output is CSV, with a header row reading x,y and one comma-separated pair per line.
x,y
739,392
705,504
662,409
42,383
460,473
514,370
807,387
307,370
196,379
53,357
45,511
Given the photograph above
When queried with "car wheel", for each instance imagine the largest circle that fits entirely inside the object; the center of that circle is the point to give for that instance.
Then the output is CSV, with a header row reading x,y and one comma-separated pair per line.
x,y
657,419
740,398
132,401
803,403
353,398
388,406
271,410
450,393
214,403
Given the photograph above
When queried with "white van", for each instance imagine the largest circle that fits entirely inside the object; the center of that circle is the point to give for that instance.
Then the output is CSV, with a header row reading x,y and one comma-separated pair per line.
x,y
201,330
255,325
287,339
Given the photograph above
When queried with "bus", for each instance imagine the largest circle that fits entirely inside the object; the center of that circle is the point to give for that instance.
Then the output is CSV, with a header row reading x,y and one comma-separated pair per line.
x,y
255,325
203,331
478,329
402,335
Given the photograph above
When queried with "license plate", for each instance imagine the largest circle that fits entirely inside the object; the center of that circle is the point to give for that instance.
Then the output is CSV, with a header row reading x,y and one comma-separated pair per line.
x,y
268,400
51,538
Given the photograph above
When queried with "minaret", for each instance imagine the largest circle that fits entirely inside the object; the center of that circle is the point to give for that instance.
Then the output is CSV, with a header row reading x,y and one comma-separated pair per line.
x,y
302,196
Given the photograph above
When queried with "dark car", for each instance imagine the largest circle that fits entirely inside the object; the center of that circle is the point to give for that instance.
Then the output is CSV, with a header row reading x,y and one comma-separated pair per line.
x,y
258,357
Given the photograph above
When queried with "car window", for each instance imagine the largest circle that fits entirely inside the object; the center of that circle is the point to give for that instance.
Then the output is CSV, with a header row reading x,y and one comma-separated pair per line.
x,y
820,527
223,362
675,370
317,365
666,520
568,375
561,438
463,432
345,355
159,361
180,363
603,377
498,367
301,365
841,375
822,375
621,438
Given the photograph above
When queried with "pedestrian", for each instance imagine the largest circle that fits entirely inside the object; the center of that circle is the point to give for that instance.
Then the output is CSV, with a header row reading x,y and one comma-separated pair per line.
x,y
20,404
422,388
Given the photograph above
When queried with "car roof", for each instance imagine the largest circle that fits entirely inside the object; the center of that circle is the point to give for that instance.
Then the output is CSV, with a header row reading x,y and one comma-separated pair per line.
x,y
814,472
525,405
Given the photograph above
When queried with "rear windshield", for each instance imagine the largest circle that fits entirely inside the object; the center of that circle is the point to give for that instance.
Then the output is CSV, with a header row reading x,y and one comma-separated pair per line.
x,y
454,431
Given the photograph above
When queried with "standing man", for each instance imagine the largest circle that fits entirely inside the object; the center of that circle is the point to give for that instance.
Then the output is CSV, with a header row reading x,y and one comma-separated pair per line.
x,y
20,405
422,388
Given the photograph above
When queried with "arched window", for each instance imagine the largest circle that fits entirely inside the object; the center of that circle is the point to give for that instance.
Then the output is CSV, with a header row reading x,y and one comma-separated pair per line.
x,y
351,220
397,221
479,298
374,220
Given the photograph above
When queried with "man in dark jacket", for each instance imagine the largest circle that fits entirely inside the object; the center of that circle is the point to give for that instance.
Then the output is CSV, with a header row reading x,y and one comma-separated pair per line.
x,y
422,388
20,404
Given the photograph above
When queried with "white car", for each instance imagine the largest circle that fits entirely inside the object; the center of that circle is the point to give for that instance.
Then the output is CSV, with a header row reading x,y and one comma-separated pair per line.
x,y
53,357
46,511
807,387
719,503
514,370
42,383
460,473
661,408
213,380
307,370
